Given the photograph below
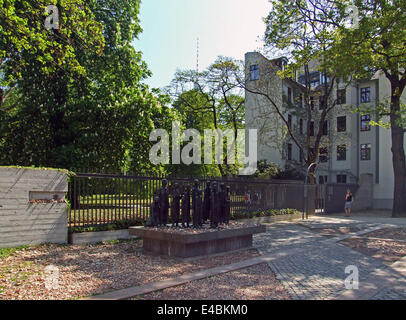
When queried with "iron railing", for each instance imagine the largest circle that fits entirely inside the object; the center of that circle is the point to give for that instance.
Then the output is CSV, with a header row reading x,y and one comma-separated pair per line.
x,y
101,199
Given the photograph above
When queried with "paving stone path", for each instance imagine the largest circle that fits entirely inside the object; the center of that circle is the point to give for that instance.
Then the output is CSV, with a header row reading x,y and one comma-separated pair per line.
x,y
310,265
316,270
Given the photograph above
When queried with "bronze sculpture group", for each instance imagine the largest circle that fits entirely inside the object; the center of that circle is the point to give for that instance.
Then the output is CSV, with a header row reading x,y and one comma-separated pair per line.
x,y
212,205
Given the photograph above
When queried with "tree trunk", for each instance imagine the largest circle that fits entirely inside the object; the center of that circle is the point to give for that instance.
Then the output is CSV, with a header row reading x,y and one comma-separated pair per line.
x,y
399,167
398,160
1,97
312,171
222,173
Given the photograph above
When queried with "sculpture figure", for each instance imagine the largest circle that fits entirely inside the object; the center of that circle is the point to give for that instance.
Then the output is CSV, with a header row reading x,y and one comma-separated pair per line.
x,y
164,203
214,215
175,206
154,213
197,205
186,207
206,202
216,205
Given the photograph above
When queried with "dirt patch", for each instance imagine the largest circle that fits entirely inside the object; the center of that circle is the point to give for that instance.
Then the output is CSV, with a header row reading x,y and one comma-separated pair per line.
x,y
334,232
388,233
387,251
254,283
205,228
85,270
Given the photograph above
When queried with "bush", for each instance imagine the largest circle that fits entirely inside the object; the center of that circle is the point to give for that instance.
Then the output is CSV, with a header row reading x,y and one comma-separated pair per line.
x,y
6,252
118,225
267,170
264,213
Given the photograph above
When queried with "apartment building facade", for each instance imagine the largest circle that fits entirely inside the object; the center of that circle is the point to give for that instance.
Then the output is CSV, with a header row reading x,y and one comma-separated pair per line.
x,y
351,148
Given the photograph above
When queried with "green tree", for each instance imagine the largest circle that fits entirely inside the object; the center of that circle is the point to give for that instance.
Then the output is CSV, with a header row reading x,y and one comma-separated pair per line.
x,y
25,40
161,117
214,99
293,30
191,106
99,118
379,43
373,42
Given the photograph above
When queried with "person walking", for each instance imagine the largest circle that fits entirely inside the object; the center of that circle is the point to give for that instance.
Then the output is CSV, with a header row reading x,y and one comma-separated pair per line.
x,y
348,203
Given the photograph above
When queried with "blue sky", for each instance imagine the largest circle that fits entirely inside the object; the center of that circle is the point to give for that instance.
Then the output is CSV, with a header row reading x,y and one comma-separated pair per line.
x,y
171,28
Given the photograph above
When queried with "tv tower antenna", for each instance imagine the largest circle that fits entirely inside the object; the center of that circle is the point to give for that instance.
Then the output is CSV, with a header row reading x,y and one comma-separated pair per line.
x,y
197,56
196,86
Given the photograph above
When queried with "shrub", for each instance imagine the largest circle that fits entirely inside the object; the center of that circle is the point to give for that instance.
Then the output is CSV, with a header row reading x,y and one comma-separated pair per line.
x,y
263,213
118,225
6,252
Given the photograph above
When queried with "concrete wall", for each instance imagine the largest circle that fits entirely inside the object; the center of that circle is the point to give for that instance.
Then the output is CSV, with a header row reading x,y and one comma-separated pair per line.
x,y
363,199
260,114
23,222
99,236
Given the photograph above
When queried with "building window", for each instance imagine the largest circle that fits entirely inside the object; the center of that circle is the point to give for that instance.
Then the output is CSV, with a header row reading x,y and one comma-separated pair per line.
x,y
289,151
341,152
341,178
314,83
365,119
290,121
324,78
322,179
365,95
311,128
312,103
341,124
325,128
341,96
323,154
366,151
301,100
301,126
284,64
254,72
289,94
301,156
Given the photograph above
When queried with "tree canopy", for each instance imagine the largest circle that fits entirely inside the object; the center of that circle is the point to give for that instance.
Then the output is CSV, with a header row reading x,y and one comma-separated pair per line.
x,y
210,100
378,44
87,108
353,40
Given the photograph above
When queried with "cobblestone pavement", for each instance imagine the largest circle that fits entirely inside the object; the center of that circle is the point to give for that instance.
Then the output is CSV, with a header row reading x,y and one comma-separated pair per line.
x,y
316,270
396,293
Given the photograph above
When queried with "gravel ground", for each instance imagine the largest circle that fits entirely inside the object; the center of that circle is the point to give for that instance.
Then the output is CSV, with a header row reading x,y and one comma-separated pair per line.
x,y
333,232
254,283
387,251
86,270
388,233
233,225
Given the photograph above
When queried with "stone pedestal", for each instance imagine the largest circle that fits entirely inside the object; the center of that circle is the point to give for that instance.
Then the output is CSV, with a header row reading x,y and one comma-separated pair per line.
x,y
185,245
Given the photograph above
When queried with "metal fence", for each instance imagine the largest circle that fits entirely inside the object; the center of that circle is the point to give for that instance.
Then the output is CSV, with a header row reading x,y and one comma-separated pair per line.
x,y
101,199
335,195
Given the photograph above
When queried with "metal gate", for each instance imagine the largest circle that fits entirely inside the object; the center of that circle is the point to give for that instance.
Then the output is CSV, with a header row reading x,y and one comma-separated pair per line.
x,y
101,199
334,194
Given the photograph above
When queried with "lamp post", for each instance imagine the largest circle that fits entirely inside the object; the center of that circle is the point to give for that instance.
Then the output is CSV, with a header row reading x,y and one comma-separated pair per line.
x,y
306,191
